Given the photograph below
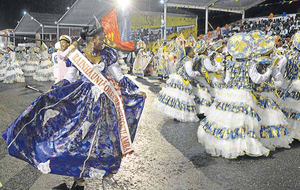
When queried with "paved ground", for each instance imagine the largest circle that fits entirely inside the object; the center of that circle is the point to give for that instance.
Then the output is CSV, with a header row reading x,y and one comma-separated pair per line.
x,y
167,155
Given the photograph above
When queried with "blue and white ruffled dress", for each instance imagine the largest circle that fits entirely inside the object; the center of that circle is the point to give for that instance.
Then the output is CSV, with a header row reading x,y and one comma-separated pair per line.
x,y
201,88
13,72
272,117
73,129
232,125
177,100
44,70
290,103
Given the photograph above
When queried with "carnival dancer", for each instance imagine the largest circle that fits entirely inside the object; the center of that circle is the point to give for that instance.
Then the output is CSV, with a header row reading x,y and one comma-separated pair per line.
x,y
66,46
142,60
200,84
32,61
155,59
13,71
177,99
274,126
44,71
214,65
291,97
3,64
231,127
180,44
121,62
161,69
171,57
191,40
75,129
21,56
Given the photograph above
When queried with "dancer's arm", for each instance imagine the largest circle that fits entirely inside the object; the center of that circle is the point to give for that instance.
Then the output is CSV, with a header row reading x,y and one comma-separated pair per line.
x,y
63,54
209,67
281,64
189,69
257,77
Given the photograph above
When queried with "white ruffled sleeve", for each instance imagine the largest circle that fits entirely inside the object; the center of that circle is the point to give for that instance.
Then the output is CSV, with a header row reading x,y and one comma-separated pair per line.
x,y
209,67
281,64
116,71
189,69
227,76
257,77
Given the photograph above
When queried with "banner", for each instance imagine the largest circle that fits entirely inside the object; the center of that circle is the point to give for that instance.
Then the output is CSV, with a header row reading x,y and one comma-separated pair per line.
x,y
111,29
86,68
143,21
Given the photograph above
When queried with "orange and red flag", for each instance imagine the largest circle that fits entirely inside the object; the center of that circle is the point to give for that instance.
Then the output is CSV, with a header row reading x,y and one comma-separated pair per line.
x,y
110,24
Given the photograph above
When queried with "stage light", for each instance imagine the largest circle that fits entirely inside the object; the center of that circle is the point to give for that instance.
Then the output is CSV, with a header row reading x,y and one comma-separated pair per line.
x,y
68,8
24,12
162,1
41,25
123,3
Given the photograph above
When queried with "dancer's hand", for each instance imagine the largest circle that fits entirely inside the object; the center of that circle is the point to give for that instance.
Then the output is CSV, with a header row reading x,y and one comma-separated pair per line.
x,y
75,43
142,94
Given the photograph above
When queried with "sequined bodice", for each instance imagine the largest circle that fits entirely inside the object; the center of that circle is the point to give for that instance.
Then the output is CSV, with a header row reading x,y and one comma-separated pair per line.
x,y
180,68
293,67
239,75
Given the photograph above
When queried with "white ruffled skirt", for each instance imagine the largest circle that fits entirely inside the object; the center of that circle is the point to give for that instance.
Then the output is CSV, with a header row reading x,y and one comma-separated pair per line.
x,y
14,73
231,126
216,82
3,68
44,71
291,108
29,68
274,130
177,100
203,98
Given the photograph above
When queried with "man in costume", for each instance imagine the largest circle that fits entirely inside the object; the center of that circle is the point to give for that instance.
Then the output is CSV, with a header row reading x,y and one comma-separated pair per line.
x,y
66,46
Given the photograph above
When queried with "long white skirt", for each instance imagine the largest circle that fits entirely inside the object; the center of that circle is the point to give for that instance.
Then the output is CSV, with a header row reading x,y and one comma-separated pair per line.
x,y
231,127
177,100
14,73
44,71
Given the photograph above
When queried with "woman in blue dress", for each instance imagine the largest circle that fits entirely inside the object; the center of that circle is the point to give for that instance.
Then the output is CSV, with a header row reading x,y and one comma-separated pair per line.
x,y
73,129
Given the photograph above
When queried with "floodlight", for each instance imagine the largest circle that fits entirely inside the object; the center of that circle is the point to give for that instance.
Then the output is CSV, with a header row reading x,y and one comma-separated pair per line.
x,y
123,3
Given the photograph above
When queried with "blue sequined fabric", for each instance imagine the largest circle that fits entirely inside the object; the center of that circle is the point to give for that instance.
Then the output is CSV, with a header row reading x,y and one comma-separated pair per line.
x,y
74,127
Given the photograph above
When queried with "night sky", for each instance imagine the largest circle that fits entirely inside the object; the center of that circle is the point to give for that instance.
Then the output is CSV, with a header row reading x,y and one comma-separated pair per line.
x,y
11,11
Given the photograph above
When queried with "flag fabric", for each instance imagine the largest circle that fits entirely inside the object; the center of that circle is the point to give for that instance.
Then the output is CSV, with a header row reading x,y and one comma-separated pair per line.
x,y
110,24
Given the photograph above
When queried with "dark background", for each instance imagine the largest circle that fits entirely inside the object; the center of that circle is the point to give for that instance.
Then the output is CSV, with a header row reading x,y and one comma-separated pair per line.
x,y
11,11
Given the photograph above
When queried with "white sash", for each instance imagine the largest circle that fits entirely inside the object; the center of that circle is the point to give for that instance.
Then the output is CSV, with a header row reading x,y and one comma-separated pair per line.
x,y
84,66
